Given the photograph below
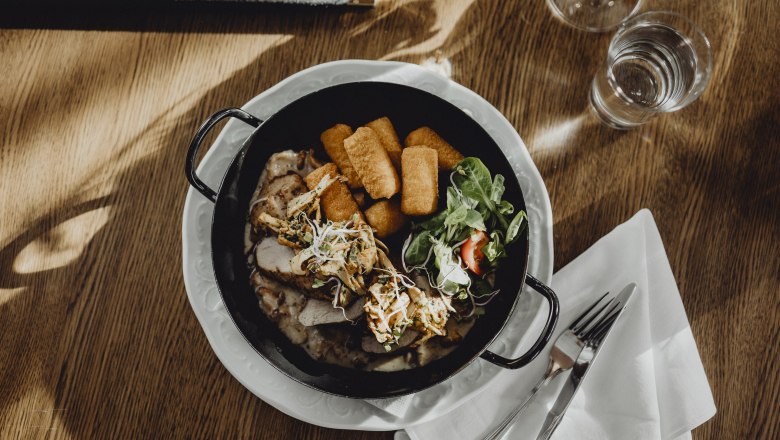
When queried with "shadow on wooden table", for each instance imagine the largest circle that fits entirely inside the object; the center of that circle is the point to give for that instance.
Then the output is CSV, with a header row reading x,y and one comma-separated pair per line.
x,y
105,338
115,347
163,16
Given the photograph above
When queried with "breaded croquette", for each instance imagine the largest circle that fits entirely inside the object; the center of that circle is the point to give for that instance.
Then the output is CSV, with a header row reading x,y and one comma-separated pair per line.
x,y
419,167
424,136
336,202
384,129
386,217
372,164
333,141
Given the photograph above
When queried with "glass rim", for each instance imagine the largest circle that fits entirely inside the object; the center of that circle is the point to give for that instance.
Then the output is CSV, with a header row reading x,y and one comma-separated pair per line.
x,y
566,19
691,33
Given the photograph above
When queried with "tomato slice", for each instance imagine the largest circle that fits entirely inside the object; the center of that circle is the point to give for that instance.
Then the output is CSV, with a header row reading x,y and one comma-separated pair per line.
x,y
471,252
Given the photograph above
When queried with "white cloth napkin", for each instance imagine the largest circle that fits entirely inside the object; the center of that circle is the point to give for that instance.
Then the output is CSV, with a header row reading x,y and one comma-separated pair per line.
x,y
648,382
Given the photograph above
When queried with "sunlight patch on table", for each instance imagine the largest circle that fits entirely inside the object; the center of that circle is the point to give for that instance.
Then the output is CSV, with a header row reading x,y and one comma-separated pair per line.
x,y
7,295
557,136
62,244
449,14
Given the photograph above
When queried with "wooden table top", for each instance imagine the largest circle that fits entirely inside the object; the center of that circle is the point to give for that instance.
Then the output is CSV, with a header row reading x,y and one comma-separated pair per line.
x,y
98,339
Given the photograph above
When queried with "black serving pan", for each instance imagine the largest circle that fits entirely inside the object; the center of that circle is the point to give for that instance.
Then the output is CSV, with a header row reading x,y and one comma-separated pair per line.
x,y
298,126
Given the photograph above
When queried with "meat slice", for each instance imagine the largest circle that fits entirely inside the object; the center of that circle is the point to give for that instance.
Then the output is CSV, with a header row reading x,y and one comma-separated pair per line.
x,y
272,257
282,305
275,196
318,312
273,260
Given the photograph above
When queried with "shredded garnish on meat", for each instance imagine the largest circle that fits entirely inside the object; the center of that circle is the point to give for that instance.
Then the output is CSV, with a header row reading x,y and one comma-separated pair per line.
x,y
394,303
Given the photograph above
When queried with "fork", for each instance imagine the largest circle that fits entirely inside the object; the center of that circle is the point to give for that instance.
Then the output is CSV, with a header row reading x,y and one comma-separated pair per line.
x,y
567,347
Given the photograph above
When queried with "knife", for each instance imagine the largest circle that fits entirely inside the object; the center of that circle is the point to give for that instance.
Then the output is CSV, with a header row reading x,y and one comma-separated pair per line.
x,y
580,369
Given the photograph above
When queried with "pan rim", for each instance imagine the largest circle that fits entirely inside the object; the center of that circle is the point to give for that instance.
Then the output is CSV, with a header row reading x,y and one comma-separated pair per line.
x,y
220,199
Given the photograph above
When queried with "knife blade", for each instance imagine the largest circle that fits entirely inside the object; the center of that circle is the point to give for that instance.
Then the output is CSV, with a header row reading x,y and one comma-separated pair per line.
x,y
580,369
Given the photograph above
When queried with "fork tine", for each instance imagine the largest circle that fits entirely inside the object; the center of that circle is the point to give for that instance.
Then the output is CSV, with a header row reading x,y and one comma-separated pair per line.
x,y
598,331
602,321
585,313
594,318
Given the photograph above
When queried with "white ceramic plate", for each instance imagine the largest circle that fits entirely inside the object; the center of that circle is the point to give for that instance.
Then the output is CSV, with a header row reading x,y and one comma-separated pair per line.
x,y
267,382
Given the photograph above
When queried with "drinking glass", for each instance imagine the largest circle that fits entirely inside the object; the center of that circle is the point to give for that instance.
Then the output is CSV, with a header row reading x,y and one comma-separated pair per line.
x,y
594,15
657,62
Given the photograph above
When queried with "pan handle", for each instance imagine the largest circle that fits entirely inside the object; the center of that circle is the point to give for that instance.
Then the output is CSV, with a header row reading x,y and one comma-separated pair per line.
x,y
549,327
192,153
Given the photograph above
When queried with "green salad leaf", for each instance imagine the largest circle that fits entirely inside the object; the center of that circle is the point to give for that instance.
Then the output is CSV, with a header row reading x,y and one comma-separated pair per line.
x,y
451,277
497,189
494,249
472,178
514,228
418,249
505,207
474,220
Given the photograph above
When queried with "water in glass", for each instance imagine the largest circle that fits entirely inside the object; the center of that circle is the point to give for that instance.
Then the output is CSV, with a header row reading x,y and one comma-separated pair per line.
x,y
652,67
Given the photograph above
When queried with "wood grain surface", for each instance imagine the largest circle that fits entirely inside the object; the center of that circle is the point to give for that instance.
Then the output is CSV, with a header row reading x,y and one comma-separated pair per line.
x,y
97,339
